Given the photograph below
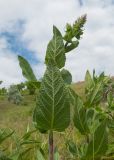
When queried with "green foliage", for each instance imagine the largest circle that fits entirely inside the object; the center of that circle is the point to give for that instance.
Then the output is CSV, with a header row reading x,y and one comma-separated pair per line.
x,y
32,83
72,148
93,90
110,100
57,105
80,117
36,84
107,83
96,147
3,91
56,154
76,30
3,156
99,143
26,69
4,134
52,112
52,108
40,156
66,75
91,120
24,145
55,98
71,45
95,95
74,33
14,95
88,81
30,87
21,86
55,49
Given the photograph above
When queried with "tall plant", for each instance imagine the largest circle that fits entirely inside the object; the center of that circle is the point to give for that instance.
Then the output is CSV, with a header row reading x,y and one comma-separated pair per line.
x,y
52,112
94,120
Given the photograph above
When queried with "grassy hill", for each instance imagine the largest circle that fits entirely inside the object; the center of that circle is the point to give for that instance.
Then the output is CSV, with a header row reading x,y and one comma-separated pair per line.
x,y
79,88
17,117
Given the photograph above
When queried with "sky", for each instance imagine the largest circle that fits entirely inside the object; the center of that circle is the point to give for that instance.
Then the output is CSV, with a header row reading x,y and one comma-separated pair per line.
x,y
26,28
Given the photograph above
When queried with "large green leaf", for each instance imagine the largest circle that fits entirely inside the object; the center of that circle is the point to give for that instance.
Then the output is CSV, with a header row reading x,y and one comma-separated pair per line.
x,y
66,75
99,143
26,69
93,90
88,81
95,95
80,120
80,117
73,96
56,49
52,109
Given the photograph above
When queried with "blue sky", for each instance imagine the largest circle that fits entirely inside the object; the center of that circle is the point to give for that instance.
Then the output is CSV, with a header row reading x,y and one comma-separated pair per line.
x,y
16,45
81,2
26,28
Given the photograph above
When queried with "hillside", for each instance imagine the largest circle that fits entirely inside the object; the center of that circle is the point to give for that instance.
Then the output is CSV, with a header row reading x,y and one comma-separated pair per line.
x,y
18,117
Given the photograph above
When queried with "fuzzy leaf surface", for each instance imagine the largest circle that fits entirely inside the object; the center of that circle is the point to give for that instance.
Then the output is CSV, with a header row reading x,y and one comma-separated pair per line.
x,y
26,69
56,49
99,143
66,75
80,116
88,81
52,109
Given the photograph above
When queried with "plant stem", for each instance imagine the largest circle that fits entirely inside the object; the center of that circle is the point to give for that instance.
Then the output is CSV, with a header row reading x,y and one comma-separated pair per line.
x,y
87,137
51,147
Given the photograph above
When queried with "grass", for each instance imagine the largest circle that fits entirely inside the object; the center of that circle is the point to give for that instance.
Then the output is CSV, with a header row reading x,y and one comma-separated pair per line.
x,y
16,117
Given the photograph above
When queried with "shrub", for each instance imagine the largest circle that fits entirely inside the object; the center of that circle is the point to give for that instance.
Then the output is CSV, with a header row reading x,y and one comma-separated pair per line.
x,y
14,95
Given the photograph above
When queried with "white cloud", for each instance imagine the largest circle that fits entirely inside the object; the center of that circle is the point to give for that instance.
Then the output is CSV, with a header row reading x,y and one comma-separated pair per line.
x,y
9,66
95,50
